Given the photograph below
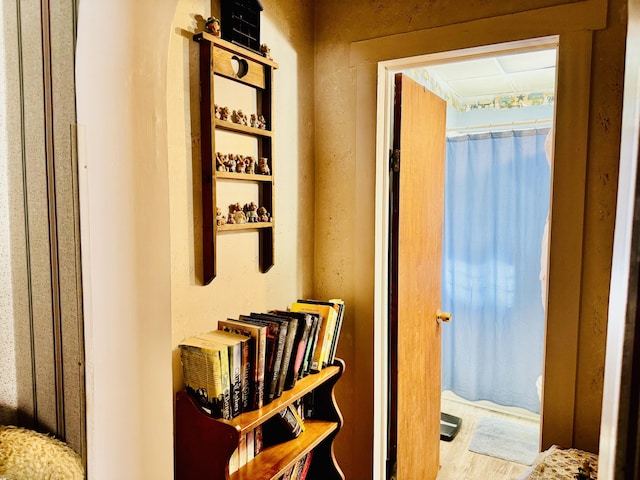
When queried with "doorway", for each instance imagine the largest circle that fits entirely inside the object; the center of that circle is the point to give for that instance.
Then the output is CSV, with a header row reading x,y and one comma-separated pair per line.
x,y
495,109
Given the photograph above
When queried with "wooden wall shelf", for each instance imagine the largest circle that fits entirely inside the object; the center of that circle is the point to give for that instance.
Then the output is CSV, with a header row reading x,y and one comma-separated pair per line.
x,y
220,58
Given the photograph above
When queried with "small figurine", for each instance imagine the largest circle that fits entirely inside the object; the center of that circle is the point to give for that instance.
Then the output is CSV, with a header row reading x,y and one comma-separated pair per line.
x,y
251,212
240,118
216,111
231,163
224,114
241,164
253,121
220,218
263,215
221,162
212,25
261,123
251,165
266,51
263,166
235,211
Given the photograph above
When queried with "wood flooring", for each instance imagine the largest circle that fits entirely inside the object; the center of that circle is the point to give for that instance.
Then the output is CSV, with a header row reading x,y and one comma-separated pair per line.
x,y
458,463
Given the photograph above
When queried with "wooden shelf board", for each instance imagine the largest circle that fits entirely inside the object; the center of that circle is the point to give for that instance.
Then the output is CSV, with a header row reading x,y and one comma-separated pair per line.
x,y
232,47
237,128
247,421
243,226
273,461
244,176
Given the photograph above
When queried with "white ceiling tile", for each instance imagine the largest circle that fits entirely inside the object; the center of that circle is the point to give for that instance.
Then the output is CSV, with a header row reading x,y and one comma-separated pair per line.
x,y
482,86
523,62
534,81
497,76
467,69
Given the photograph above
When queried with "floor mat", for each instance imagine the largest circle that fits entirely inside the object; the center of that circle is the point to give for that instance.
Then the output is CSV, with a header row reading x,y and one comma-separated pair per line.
x,y
507,440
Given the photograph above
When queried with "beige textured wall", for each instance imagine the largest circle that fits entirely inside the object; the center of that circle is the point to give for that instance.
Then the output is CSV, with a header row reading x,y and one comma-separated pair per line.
x,y
345,195
239,288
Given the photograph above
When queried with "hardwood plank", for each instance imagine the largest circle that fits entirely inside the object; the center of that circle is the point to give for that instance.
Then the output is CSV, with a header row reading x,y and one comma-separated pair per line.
x,y
273,461
458,463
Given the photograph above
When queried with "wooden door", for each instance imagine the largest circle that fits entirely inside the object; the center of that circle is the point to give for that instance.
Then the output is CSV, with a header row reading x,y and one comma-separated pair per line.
x,y
416,257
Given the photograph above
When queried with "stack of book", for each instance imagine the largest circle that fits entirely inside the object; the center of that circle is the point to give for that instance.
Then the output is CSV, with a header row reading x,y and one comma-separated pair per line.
x,y
249,446
249,361
299,470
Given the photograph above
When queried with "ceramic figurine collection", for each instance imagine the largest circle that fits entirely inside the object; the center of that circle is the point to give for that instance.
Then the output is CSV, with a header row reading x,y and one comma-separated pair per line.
x,y
238,116
238,214
236,163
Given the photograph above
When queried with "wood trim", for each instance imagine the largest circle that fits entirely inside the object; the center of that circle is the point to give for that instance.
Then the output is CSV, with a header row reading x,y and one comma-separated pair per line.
x,y
568,186
571,154
584,15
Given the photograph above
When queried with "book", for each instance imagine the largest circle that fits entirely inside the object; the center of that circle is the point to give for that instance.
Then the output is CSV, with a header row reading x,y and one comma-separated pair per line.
x,y
279,328
270,339
236,347
299,346
336,334
250,445
324,335
288,352
257,349
316,324
330,311
242,451
205,368
258,443
283,426
287,473
305,466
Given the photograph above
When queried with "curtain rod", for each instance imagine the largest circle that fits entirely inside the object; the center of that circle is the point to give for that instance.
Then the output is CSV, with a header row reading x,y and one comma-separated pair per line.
x,y
490,126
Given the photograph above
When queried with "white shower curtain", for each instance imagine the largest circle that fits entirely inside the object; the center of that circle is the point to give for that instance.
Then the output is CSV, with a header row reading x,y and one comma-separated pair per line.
x,y
496,203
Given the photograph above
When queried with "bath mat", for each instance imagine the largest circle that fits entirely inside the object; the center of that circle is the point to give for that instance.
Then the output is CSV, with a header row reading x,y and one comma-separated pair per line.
x,y
507,440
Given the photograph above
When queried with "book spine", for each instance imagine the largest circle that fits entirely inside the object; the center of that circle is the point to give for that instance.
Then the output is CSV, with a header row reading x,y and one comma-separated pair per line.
x,y
235,372
249,372
291,422
306,466
246,373
242,451
275,373
258,443
337,329
316,359
299,348
326,344
292,329
250,445
226,384
261,351
311,341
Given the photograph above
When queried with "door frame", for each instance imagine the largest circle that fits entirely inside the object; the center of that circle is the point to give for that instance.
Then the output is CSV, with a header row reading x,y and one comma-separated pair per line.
x,y
372,59
386,72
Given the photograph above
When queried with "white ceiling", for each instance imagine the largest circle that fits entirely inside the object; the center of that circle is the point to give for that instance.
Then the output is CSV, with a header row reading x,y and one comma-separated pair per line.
x,y
493,76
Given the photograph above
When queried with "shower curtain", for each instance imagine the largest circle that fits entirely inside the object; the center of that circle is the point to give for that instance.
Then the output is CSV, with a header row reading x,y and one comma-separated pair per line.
x,y
496,204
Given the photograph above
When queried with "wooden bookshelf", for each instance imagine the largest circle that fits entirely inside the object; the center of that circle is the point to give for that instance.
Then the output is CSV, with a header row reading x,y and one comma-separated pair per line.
x,y
204,445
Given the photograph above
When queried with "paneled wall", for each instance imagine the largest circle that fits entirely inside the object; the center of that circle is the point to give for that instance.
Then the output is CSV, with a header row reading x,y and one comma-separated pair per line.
x,y
41,339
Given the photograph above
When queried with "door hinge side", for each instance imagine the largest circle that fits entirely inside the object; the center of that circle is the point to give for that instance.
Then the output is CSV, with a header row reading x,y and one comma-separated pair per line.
x,y
394,156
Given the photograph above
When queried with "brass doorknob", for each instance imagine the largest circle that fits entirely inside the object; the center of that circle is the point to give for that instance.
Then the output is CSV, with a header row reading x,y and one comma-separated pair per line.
x,y
443,317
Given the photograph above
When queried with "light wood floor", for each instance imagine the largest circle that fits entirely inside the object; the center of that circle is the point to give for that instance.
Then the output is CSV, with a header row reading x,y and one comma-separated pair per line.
x,y
458,463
